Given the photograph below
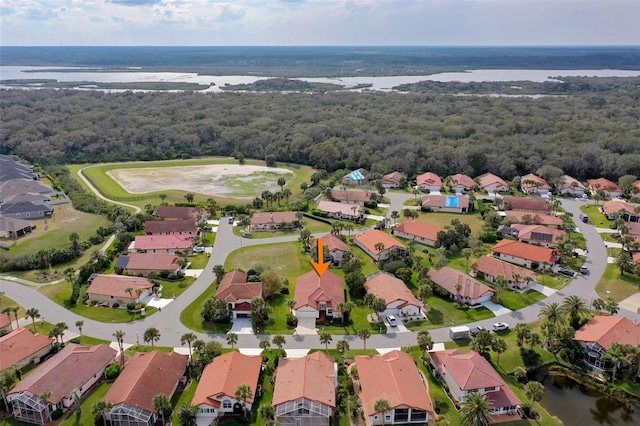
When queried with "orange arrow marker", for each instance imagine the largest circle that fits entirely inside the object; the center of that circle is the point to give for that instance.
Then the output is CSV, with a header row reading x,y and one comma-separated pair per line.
x,y
320,266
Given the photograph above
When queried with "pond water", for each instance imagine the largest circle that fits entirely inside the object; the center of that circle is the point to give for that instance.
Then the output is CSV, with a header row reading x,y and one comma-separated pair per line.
x,y
577,406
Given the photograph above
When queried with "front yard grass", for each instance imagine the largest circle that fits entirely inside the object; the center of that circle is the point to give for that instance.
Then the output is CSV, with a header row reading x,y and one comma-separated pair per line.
x,y
596,218
619,286
5,302
86,418
442,313
515,300
444,219
191,317
199,261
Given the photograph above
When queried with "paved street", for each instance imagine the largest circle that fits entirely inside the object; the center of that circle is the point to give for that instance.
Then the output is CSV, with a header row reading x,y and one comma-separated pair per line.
x,y
167,321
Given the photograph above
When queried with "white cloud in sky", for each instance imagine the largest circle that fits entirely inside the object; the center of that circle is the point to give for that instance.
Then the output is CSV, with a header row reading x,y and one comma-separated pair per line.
x,y
319,22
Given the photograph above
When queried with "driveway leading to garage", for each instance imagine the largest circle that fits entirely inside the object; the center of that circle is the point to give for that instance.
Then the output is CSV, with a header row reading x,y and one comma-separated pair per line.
x,y
495,308
242,326
306,326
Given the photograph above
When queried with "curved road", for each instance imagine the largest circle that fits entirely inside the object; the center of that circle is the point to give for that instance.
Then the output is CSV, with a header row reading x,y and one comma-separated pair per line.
x,y
167,321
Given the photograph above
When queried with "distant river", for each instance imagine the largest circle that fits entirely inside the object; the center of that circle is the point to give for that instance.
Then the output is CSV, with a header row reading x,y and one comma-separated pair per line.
x,y
378,83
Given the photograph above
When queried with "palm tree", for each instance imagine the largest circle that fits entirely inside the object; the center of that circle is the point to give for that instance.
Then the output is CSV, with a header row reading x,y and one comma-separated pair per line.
x,y
162,404
75,238
522,332
466,252
102,407
501,282
119,335
243,393
279,341
425,342
325,339
232,339
76,396
458,288
14,310
498,345
364,333
59,329
575,307
44,397
553,313
187,414
534,391
33,313
130,291
219,271
379,247
162,196
623,261
79,325
188,338
267,411
534,340
599,304
475,410
342,346
189,196
618,356
152,335
611,306
264,344
382,406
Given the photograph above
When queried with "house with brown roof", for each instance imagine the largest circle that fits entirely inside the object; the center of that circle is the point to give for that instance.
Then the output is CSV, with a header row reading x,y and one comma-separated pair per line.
x,y
170,244
600,332
529,218
422,233
271,221
524,254
635,189
176,213
334,247
6,325
369,240
393,180
170,227
429,182
571,186
145,376
460,286
318,296
532,184
357,177
108,289
539,234
470,372
73,368
489,268
610,189
215,395
238,292
620,208
305,390
492,183
22,347
341,210
525,204
14,228
399,299
351,196
636,256
447,203
460,183
143,263
395,378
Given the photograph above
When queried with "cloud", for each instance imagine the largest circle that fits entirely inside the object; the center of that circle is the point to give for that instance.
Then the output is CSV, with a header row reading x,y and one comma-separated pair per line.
x,y
228,12
134,2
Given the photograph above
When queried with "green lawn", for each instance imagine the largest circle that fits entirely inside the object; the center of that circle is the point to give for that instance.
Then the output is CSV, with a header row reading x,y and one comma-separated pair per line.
x,y
596,218
619,286
191,317
199,261
315,226
182,397
443,314
6,302
86,418
444,219
554,281
515,300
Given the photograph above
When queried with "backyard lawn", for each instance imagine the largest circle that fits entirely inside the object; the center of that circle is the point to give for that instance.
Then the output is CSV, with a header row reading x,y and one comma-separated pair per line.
x,y
596,218
184,396
444,219
86,418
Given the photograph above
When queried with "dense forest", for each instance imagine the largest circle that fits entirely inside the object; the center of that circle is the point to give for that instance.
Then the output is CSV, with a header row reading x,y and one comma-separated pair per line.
x,y
586,135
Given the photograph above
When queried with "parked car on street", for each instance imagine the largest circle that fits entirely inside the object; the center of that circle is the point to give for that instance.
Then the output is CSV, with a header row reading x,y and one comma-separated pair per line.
x,y
500,326
566,273
476,330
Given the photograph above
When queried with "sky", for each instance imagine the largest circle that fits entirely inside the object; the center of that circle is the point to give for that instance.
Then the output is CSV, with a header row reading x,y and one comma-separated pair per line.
x,y
318,22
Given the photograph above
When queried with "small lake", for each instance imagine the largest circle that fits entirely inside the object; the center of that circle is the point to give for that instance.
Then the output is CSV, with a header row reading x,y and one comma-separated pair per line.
x,y
378,83
576,406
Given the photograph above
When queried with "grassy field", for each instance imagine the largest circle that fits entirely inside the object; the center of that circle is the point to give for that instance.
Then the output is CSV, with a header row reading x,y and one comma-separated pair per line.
x,y
97,174
443,314
444,219
515,300
182,397
6,302
619,286
595,216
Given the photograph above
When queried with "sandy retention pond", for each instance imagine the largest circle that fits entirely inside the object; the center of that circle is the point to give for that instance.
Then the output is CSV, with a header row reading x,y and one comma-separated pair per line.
x,y
230,180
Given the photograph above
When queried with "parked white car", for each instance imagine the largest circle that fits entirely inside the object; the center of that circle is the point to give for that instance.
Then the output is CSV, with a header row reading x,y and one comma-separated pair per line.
x,y
500,326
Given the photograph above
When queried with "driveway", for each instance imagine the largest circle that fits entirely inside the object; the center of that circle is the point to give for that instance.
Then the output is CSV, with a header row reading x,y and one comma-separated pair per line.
x,y
242,326
156,302
547,291
495,308
400,328
631,303
306,326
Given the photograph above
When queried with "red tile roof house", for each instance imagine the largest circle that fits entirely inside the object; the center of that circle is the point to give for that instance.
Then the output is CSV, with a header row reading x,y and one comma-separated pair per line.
x,y
368,240
335,247
539,234
399,299
318,296
523,204
110,289
492,183
170,227
162,243
610,189
175,212
22,347
143,263
446,203
393,179
620,208
597,335
305,390
395,378
532,184
341,210
419,232
636,187
571,186
466,373
429,182
636,257
524,254
489,268
6,325
356,177
237,292
355,196
145,376
460,183
74,367
215,394
461,286
537,218
270,221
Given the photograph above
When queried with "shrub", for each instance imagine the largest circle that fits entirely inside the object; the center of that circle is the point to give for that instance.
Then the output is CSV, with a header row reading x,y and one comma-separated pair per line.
x,y
131,306
292,320
284,290
56,414
115,305
112,371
